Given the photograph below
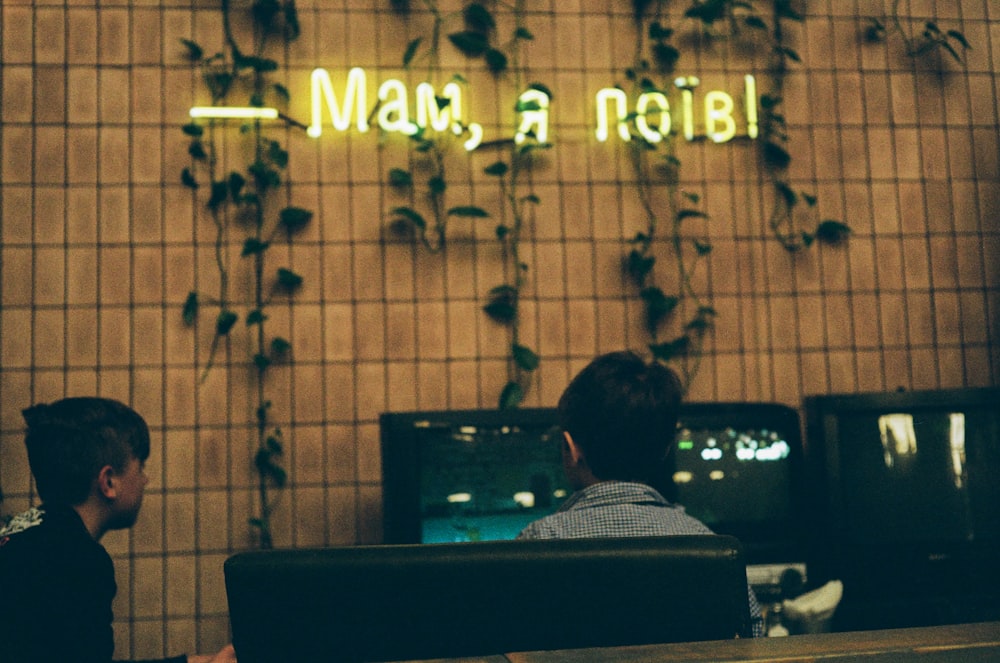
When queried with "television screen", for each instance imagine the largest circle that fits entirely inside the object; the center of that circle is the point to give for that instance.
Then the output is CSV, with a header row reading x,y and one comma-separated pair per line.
x,y
906,494
477,475
737,468
485,474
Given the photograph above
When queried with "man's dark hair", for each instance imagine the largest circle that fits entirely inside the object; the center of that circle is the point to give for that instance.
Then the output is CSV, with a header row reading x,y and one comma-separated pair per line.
x,y
622,412
70,440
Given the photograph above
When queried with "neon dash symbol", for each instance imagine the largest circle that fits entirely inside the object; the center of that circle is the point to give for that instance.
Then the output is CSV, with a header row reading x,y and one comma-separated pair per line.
x,y
234,112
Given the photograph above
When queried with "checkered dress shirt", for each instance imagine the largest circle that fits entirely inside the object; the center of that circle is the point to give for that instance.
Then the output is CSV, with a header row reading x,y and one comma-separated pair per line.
x,y
620,509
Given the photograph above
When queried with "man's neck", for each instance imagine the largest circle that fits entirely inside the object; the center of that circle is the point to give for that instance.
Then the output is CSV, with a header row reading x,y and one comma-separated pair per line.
x,y
94,517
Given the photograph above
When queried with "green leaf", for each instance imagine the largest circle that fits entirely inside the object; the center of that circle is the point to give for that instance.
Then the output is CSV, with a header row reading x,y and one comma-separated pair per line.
x,y
253,246
666,56
790,198
511,396
658,306
288,279
265,176
703,248
524,357
639,265
273,445
194,130
236,184
292,27
194,51
255,317
410,215
541,87
282,92
190,311
832,232
411,50
775,156
259,65
784,9
478,17
437,185
708,11
472,44
791,54
225,322
498,169
523,33
496,60
277,154
671,349
261,361
469,210
767,101
503,304
400,178
280,346
685,214
501,311
294,218
197,150
220,192
755,22
188,180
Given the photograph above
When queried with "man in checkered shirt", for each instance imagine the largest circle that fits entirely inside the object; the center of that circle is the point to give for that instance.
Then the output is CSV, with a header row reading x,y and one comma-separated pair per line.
x,y
618,416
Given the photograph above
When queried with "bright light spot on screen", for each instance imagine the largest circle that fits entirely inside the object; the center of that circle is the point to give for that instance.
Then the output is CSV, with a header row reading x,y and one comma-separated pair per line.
x,y
459,498
685,444
899,439
525,499
711,453
561,493
716,475
956,437
745,454
468,430
683,477
776,451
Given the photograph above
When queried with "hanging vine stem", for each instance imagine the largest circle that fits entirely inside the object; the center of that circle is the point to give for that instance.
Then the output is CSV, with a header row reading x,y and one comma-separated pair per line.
x,y
237,197
774,137
685,350
931,40
475,41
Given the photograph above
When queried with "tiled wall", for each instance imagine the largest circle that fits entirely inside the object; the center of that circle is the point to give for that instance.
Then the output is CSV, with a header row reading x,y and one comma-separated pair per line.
x,y
100,244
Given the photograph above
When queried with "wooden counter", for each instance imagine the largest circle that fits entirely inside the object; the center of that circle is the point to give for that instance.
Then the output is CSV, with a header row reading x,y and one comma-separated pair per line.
x,y
960,643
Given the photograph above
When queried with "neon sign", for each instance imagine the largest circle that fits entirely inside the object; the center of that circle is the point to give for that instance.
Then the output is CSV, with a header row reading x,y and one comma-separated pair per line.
x,y
653,117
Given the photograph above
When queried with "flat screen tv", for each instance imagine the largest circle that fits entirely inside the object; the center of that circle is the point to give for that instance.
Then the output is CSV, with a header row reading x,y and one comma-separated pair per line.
x,y
477,475
906,494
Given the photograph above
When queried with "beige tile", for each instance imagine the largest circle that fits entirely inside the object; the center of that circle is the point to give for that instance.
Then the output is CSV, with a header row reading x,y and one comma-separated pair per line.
x,y
49,339
18,273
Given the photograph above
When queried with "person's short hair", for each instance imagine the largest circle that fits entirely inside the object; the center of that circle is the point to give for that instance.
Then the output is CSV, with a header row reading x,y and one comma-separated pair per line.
x,y
70,440
622,412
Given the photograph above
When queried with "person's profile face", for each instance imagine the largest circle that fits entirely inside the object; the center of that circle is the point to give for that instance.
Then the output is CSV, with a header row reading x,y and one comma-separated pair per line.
x,y
131,483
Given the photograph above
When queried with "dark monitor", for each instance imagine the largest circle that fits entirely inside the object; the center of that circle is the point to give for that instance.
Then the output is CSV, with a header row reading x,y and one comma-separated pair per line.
x,y
737,467
485,474
406,602
907,504
469,475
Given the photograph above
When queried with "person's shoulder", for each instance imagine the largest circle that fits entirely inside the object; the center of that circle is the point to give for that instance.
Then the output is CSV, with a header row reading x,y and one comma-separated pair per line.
x,y
22,528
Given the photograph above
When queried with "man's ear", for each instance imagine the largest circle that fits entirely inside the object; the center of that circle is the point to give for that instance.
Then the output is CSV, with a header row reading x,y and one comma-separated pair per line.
x,y
106,486
571,449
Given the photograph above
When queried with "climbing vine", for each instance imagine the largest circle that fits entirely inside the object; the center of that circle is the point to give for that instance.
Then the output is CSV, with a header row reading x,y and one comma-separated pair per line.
x,y
475,34
670,212
248,203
